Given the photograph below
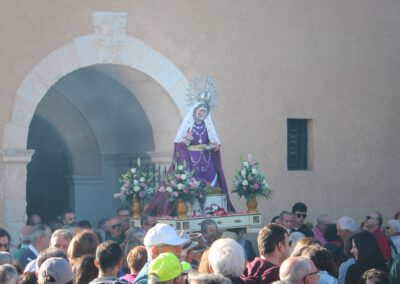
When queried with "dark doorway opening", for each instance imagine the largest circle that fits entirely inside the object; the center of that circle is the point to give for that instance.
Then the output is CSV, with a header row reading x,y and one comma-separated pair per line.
x,y
47,188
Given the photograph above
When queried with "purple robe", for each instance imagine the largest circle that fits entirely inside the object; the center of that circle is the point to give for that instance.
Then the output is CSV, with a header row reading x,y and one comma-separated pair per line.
x,y
206,165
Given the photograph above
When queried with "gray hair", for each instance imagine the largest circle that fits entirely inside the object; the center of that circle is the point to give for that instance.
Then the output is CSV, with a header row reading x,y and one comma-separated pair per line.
x,y
227,257
8,274
294,269
283,213
347,223
320,219
38,231
6,257
62,233
208,278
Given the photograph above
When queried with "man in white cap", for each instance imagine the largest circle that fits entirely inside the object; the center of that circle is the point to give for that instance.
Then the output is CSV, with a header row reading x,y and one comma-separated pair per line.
x,y
159,239
56,270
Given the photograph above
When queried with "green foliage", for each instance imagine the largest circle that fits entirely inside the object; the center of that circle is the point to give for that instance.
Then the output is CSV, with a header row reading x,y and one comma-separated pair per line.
x,y
250,181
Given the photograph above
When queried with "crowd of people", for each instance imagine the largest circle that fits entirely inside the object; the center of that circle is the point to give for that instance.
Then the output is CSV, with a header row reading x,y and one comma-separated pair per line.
x,y
289,251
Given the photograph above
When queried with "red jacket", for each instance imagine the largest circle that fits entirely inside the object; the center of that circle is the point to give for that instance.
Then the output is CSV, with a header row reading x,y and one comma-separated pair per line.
x,y
384,244
260,271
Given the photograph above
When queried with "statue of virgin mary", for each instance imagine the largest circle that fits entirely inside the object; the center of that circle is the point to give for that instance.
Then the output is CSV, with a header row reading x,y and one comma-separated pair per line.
x,y
197,143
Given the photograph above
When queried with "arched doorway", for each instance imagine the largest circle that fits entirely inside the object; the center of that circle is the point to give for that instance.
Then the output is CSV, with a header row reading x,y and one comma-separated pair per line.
x,y
87,130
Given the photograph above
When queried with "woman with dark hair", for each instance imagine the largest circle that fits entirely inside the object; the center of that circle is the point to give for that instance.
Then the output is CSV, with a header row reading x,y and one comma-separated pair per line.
x,y
5,240
367,254
84,269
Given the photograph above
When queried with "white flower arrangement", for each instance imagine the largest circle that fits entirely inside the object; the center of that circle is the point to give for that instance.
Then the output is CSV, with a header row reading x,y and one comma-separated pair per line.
x,y
180,184
136,183
251,182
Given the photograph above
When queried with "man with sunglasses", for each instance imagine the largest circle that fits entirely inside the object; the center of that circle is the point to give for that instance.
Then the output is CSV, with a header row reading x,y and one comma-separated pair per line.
x,y
373,222
299,211
115,230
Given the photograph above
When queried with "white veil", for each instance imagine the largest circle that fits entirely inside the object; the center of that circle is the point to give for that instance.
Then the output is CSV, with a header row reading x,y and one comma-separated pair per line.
x,y
188,123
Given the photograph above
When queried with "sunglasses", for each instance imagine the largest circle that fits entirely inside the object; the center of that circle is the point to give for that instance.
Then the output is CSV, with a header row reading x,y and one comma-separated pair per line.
x,y
298,215
115,226
369,217
3,245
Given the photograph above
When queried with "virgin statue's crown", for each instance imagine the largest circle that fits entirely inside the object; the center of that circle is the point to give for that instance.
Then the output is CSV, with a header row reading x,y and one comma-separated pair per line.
x,y
203,90
205,97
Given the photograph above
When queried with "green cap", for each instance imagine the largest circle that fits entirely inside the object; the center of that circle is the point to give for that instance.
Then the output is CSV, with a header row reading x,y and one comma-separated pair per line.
x,y
167,267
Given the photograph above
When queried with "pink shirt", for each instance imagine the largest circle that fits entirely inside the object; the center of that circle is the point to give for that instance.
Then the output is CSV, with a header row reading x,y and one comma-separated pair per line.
x,y
319,236
129,277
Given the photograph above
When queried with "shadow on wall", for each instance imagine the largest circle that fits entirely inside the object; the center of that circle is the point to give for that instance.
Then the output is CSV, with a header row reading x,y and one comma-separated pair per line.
x,y
47,188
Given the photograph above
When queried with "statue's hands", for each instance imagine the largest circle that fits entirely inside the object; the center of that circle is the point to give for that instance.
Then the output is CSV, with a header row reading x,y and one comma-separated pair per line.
x,y
214,147
188,138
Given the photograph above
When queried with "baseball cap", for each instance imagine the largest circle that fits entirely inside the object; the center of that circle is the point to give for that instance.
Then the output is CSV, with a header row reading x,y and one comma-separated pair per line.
x,y
167,267
57,268
163,234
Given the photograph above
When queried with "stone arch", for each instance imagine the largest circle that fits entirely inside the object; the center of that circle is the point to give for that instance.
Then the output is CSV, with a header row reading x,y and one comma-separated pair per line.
x,y
102,47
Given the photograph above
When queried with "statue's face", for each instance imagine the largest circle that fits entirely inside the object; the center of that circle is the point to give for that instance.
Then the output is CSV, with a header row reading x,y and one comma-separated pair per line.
x,y
201,113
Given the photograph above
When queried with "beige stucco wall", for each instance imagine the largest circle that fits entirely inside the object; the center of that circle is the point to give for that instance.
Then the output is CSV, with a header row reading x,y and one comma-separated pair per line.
x,y
335,62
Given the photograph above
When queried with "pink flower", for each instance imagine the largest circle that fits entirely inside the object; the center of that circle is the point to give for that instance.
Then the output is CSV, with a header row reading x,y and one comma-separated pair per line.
x,y
178,177
141,194
185,190
176,194
256,186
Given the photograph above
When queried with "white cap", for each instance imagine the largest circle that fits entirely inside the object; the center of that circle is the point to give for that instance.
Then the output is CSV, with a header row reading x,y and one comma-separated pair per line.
x,y
163,234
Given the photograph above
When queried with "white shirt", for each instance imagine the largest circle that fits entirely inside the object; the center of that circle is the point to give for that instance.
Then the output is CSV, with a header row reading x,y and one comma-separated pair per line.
x,y
31,266
326,278
34,250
